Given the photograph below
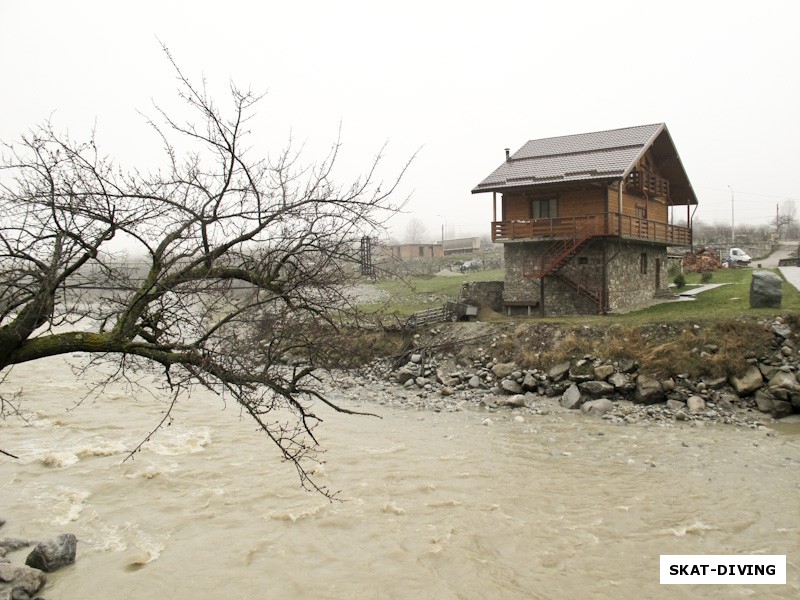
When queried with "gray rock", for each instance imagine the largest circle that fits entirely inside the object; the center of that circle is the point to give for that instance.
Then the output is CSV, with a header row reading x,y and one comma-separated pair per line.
x,y
784,380
764,401
781,329
416,358
559,371
596,388
597,408
725,402
621,381
696,405
511,386
765,290
512,401
12,544
781,409
501,370
20,582
421,381
529,382
628,365
676,404
603,372
404,374
648,390
53,554
474,382
748,382
572,398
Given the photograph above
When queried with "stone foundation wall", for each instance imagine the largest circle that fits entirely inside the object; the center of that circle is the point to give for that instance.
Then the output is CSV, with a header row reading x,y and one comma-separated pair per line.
x,y
628,286
483,293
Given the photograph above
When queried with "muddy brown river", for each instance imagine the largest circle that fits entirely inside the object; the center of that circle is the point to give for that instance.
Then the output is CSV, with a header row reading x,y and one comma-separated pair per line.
x,y
435,505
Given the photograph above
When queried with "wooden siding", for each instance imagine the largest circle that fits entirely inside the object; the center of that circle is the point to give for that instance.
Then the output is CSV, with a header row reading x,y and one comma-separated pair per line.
x,y
571,203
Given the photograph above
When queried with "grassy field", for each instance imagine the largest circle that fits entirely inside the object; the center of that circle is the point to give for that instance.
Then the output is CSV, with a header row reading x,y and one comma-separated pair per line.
x,y
729,301
418,293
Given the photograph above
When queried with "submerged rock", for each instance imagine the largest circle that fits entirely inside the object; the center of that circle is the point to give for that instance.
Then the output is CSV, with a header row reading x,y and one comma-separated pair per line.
x,y
53,554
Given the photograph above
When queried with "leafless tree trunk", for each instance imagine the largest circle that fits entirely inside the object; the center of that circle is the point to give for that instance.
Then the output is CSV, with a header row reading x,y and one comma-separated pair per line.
x,y
242,285
415,231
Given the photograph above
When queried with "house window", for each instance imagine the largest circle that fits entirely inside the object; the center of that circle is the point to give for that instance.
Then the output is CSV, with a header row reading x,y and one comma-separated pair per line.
x,y
643,263
545,208
583,260
421,251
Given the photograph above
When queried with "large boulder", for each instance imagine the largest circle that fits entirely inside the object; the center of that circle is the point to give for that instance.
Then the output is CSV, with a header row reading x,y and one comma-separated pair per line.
x,y
648,390
765,290
572,398
20,582
785,380
597,408
516,400
501,370
53,554
748,382
596,388
557,372
603,372
510,386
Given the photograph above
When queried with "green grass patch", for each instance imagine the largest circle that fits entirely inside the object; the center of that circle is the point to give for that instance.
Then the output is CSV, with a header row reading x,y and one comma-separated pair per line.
x,y
409,295
729,301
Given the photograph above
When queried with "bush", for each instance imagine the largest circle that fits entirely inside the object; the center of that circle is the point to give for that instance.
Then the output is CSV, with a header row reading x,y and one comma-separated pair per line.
x,y
679,281
705,276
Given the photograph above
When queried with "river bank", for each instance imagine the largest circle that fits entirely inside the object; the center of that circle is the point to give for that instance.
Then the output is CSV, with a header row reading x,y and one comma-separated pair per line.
x,y
454,497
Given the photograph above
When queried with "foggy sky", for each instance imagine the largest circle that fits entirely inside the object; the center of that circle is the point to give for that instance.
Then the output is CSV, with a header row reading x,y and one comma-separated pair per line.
x,y
458,81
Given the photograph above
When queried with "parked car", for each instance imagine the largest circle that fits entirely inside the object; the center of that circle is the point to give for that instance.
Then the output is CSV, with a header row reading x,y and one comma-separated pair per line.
x,y
470,265
737,255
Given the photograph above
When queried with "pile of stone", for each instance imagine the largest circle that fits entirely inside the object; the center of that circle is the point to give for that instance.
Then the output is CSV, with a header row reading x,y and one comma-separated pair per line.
x,y
616,390
702,259
25,582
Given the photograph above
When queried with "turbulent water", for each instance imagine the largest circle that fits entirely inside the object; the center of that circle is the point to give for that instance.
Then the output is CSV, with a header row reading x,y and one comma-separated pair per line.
x,y
436,505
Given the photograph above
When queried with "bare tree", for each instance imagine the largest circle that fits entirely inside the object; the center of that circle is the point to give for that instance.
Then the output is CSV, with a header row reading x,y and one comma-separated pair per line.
x,y
415,231
242,285
785,220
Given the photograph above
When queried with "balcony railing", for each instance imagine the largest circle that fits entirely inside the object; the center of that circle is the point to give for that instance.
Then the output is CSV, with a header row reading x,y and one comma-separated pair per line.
x,y
645,182
594,225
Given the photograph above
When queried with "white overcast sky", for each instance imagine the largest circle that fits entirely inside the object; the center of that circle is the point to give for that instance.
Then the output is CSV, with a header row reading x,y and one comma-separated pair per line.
x,y
460,81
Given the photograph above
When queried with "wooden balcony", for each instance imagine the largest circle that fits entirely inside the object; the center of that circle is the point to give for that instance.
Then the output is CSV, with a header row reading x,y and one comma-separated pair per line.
x,y
595,225
645,183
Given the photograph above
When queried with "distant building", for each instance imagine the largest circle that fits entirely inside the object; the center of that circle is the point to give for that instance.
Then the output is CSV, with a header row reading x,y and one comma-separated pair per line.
x,y
462,245
411,251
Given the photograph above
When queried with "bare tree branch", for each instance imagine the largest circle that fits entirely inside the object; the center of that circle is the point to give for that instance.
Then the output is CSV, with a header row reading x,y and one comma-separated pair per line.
x,y
236,274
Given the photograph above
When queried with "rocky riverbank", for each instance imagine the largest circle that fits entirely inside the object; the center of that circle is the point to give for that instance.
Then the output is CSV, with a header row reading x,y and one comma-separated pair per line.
x,y
469,376
24,582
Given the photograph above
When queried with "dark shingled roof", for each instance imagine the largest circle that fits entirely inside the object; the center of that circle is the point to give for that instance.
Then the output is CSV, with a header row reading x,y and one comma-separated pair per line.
x,y
598,156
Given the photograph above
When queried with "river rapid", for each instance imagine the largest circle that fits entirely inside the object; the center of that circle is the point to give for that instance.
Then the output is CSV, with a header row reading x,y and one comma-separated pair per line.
x,y
435,505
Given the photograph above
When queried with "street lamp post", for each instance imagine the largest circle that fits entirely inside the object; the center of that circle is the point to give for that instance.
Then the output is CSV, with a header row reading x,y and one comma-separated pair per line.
x,y
733,235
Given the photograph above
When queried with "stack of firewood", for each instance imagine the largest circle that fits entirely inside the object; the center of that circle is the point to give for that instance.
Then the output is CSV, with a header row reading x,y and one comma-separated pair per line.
x,y
702,259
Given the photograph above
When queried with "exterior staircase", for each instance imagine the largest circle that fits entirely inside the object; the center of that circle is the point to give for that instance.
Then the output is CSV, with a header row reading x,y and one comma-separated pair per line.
x,y
556,257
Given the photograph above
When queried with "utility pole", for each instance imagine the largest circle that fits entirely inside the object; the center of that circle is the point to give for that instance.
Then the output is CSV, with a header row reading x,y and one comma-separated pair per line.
x,y
733,234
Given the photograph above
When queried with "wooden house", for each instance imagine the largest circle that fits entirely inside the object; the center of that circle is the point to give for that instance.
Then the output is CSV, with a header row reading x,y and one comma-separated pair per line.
x,y
586,220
